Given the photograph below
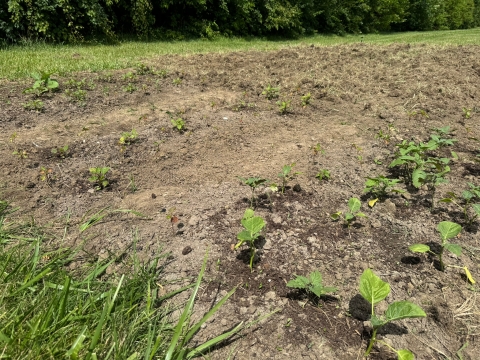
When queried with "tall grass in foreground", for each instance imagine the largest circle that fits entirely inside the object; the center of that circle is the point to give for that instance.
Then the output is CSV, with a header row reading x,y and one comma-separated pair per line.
x,y
47,312
20,61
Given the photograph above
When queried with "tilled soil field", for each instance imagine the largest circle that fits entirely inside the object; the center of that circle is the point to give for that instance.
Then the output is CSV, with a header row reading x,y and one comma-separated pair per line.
x,y
363,101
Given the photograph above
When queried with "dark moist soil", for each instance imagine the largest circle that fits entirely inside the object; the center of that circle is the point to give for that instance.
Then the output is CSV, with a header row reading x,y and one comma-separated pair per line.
x,y
186,184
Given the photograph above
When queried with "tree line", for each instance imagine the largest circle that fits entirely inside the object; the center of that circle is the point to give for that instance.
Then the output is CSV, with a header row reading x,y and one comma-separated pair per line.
x,y
76,20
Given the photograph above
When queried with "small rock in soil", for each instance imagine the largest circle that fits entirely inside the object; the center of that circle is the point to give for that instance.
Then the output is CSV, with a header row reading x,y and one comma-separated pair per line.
x,y
193,220
186,250
297,188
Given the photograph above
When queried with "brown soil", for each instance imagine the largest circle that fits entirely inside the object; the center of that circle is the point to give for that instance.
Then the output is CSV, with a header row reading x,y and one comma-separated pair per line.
x,y
233,130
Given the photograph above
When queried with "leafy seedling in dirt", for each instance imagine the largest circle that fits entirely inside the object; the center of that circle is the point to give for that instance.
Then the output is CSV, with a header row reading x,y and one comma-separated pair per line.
x,y
311,284
317,149
177,81
142,69
253,226
253,182
374,290
431,173
46,174
22,154
284,107
385,136
178,124
61,152
323,174
380,185
306,99
465,202
128,137
172,217
79,95
43,83
447,230
287,175
467,113
271,92
130,88
99,177
36,105
354,206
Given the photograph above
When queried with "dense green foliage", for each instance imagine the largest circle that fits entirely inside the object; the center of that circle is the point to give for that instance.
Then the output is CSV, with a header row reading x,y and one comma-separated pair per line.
x,y
73,20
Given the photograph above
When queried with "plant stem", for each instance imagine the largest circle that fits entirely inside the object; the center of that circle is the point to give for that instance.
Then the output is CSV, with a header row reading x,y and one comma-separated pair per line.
x,y
372,341
252,256
440,256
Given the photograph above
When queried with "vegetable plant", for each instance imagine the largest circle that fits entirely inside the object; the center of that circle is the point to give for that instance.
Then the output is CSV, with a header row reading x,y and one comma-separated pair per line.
x,y
374,290
130,88
253,226
142,69
380,185
447,230
465,202
311,284
467,113
128,137
61,152
287,175
34,105
253,182
99,177
306,99
284,106
271,92
43,83
178,124
177,81
77,95
354,206
323,174
22,154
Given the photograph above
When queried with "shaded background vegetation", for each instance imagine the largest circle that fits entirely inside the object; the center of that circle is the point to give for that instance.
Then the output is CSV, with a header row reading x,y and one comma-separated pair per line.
x,y
76,20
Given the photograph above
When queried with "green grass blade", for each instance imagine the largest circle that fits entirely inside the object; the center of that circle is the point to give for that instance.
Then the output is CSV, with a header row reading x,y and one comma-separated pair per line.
x,y
77,345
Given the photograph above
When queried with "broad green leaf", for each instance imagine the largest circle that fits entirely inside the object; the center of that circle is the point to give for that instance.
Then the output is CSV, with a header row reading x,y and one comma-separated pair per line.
x,y
372,203
245,236
476,208
376,321
316,278
372,288
469,275
360,214
418,177
354,205
467,195
403,310
318,290
300,282
249,213
405,354
254,224
453,248
349,216
329,289
446,200
448,229
419,248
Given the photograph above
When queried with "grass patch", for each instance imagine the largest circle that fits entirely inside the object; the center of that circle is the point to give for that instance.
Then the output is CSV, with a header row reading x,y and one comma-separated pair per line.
x,y
49,312
20,61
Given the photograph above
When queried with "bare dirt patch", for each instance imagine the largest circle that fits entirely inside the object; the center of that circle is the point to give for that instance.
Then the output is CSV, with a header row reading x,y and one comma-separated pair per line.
x,y
232,130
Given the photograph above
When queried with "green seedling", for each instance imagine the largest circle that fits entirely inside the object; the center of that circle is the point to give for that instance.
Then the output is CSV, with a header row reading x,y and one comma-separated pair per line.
x,y
284,106
447,230
380,185
142,69
36,105
317,149
128,137
253,182
43,83
129,76
130,88
467,113
162,73
465,202
383,135
253,226
22,154
61,152
311,284
287,175
323,174
354,206
177,81
99,177
178,124
306,99
374,290
78,95
271,92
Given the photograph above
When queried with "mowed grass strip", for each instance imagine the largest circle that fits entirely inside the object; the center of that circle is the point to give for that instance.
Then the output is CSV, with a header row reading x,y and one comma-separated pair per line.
x,y
20,61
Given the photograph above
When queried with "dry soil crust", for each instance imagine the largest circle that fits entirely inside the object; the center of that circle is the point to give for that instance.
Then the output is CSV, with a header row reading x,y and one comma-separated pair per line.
x,y
233,130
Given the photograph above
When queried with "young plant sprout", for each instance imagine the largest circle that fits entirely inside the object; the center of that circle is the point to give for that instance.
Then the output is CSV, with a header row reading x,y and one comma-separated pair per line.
x,y
354,206
271,92
284,106
128,137
311,284
99,177
380,185
253,182
306,99
374,290
287,175
61,152
253,226
43,83
470,210
323,174
448,230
